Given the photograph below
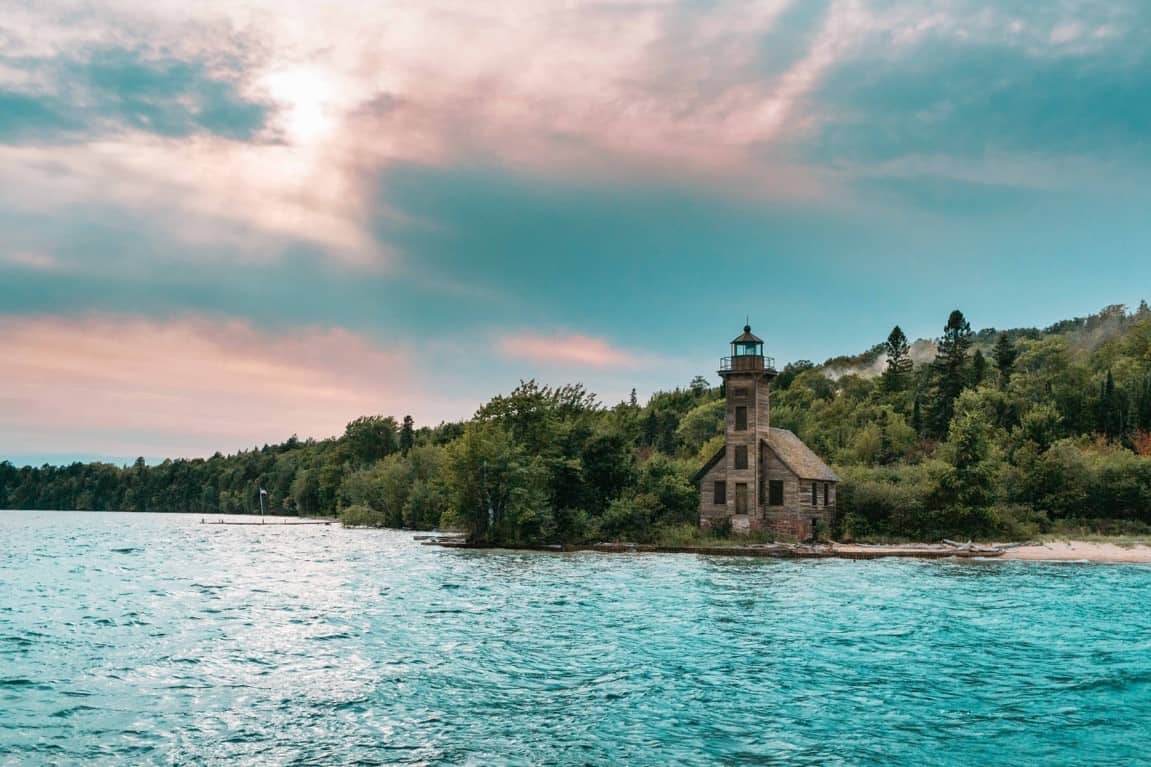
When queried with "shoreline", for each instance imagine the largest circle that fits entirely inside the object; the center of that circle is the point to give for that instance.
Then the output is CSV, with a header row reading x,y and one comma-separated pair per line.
x,y
1055,551
1080,551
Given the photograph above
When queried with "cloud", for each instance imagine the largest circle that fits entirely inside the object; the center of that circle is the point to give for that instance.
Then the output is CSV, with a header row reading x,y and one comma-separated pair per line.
x,y
189,386
103,92
567,350
972,81
30,260
260,126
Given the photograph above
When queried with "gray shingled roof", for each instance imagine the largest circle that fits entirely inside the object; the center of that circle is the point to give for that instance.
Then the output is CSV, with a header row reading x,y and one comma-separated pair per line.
x,y
799,457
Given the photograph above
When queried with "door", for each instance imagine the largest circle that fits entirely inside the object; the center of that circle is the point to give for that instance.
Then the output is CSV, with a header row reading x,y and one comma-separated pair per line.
x,y
741,498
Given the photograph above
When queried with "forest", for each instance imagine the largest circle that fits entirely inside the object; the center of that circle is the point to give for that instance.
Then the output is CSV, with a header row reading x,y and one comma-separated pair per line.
x,y
989,434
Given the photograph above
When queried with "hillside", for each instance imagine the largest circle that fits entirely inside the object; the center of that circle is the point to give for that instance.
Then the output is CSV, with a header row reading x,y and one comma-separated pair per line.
x,y
989,433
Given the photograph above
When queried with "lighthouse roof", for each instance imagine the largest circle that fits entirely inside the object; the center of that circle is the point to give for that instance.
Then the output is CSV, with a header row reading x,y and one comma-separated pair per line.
x,y
747,337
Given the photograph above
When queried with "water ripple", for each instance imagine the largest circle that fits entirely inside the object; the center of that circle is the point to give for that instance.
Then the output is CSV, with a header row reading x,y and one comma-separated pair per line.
x,y
152,639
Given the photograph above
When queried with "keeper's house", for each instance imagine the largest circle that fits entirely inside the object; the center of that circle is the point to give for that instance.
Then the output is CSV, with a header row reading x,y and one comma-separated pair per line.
x,y
762,478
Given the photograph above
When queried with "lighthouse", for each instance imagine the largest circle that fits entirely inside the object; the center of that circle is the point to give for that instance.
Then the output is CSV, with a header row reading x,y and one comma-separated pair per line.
x,y
762,477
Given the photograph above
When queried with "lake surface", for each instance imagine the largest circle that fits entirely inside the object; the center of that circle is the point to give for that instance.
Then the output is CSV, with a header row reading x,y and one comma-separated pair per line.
x,y
153,639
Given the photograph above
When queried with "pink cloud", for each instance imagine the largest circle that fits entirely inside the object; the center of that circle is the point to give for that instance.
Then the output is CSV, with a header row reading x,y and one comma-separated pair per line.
x,y
190,386
606,89
573,350
26,259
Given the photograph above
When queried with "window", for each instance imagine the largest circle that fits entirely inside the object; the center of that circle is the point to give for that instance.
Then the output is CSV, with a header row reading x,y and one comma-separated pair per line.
x,y
826,490
739,392
741,456
775,492
741,418
814,497
720,493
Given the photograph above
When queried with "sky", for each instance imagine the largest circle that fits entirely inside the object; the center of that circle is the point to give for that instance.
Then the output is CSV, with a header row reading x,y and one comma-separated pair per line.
x,y
228,221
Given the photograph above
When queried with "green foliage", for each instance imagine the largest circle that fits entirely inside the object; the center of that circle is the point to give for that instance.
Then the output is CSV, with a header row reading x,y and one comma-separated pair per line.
x,y
701,424
407,435
1005,355
1054,438
370,438
949,372
361,516
899,364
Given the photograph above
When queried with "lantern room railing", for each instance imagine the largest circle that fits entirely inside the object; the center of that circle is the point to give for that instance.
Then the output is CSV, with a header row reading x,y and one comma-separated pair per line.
x,y
746,362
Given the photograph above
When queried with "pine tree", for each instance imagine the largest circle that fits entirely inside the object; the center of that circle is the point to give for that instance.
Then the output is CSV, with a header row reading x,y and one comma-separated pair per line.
x,y
978,368
632,401
1005,355
916,417
886,451
407,435
950,373
899,362
1144,422
1109,414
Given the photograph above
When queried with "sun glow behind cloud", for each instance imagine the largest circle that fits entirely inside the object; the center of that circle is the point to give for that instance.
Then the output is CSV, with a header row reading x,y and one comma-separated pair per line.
x,y
305,98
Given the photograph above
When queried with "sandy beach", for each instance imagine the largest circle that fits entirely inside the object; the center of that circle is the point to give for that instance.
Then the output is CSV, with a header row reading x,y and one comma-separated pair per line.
x,y
1080,551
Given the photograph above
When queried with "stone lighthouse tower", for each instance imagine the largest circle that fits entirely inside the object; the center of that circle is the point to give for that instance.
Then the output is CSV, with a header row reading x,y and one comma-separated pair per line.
x,y
747,377
762,477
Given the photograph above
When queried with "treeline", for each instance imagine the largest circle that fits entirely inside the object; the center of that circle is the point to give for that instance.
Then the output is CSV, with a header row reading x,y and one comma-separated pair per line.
x,y
988,434
302,477
539,464
1002,433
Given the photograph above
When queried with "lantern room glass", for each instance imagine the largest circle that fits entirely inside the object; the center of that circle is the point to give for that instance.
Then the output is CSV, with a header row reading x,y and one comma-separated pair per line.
x,y
747,349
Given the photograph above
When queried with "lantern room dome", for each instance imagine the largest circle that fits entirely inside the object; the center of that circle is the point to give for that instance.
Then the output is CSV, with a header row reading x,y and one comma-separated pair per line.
x,y
747,337
747,344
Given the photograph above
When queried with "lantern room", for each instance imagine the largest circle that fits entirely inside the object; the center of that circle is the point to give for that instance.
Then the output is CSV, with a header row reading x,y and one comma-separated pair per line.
x,y
747,354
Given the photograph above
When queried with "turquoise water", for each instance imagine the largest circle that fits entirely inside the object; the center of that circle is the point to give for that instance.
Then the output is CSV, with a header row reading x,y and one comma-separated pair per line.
x,y
152,639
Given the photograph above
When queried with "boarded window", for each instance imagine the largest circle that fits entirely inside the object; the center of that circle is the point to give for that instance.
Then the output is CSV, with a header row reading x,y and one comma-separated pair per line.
x,y
720,493
739,392
775,492
814,497
826,491
741,456
741,418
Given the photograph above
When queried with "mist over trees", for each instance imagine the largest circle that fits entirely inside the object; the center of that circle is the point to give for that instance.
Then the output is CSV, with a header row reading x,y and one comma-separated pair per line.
x,y
1002,434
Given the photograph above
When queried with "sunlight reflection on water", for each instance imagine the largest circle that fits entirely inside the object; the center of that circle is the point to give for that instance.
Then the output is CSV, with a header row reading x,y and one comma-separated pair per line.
x,y
129,639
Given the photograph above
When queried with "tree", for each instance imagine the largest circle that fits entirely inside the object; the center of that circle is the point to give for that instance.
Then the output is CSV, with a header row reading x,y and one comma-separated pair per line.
x,y
790,372
899,364
700,424
1005,355
407,435
969,486
978,368
369,438
699,386
949,371
484,469
1110,416
886,452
